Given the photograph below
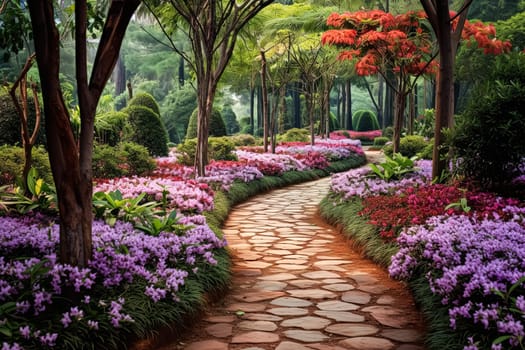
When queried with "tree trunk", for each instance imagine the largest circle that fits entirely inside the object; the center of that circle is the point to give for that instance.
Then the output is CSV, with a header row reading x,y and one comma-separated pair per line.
x,y
252,110
296,97
264,101
400,105
380,102
348,102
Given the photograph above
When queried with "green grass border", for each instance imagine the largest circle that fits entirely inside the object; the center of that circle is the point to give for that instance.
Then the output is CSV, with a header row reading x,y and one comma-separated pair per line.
x,y
365,238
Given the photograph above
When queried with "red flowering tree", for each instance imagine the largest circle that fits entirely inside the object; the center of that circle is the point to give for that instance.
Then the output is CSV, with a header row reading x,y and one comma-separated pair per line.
x,y
397,47
401,48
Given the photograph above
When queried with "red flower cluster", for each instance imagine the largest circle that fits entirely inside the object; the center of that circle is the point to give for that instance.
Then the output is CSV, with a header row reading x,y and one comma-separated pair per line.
x,y
313,159
391,213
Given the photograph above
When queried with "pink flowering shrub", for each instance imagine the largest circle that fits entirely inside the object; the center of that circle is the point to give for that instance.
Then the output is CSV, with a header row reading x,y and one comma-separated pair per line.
x,y
360,135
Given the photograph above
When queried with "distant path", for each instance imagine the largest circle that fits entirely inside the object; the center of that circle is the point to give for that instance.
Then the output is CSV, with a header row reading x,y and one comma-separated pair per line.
x,y
297,285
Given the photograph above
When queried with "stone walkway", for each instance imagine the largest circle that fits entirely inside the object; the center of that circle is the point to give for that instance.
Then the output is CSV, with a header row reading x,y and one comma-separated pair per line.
x,y
297,285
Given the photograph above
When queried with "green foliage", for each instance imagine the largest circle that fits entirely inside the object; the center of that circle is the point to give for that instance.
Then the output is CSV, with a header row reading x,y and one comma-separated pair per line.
x,y
388,132
424,124
178,106
12,160
217,127
488,138
409,146
381,140
219,148
10,131
295,135
513,29
365,120
393,168
110,126
111,206
42,196
245,124
243,140
125,159
427,152
147,129
230,120
146,100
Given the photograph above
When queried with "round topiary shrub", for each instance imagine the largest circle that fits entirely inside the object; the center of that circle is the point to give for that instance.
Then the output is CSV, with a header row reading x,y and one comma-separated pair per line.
x,y
216,127
124,159
295,135
381,141
147,130
109,127
146,100
219,148
243,140
12,161
409,146
364,120
230,120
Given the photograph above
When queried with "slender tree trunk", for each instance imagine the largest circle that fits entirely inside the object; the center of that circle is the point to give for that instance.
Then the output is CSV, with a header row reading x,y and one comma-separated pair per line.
x,y
348,102
400,105
380,102
297,106
252,110
264,101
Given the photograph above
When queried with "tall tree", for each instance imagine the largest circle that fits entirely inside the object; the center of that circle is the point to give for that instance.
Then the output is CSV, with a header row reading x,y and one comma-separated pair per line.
x,y
212,27
71,162
448,28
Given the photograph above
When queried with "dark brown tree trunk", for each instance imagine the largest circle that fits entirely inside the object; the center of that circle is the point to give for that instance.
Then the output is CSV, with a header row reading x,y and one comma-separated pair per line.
x,y
348,102
71,165
264,106
400,105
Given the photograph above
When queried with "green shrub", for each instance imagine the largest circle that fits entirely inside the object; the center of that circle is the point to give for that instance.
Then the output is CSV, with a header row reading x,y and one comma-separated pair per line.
x,y
125,159
388,132
146,100
12,161
10,132
109,127
177,108
230,120
243,140
364,120
424,124
409,146
295,135
426,153
216,127
219,148
381,141
147,129
488,139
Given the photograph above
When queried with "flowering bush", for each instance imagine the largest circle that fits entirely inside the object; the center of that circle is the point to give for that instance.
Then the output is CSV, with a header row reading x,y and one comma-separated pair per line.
x,y
43,299
360,135
470,264
188,196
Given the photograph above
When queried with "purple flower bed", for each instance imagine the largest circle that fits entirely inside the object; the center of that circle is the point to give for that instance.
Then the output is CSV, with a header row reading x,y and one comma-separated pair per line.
x,y
121,255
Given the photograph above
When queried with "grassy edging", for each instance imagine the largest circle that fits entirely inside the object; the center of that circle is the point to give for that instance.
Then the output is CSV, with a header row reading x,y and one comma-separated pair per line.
x,y
213,283
364,237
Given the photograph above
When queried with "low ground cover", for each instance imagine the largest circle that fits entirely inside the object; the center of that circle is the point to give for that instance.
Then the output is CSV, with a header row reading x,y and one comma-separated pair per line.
x,y
461,251
157,249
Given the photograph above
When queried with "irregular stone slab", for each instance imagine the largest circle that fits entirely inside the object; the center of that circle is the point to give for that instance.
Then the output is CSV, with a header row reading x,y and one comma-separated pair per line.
x,y
251,297
402,335
247,272
290,302
287,311
352,329
325,347
253,348
308,322
287,246
386,300
332,262
341,316
278,277
246,307
372,288
291,267
356,297
367,343
362,277
320,275
255,337
304,283
220,330
255,264
207,345
261,317
288,345
258,325
338,287
312,293
336,305
292,261
278,252
220,319
334,281
388,316
305,336
270,285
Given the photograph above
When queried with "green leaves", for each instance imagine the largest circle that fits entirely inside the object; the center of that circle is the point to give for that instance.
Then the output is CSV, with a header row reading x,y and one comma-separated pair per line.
x,y
111,206
394,168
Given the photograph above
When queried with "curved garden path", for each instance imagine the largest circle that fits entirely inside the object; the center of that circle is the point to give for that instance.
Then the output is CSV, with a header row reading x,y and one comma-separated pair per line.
x,y
298,285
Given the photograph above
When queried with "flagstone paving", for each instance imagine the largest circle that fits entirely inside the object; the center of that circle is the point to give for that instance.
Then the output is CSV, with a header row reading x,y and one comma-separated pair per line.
x,y
298,285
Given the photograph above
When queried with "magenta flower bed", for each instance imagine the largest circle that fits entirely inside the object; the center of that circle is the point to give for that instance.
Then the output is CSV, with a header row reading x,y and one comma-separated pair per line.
x,y
361,135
